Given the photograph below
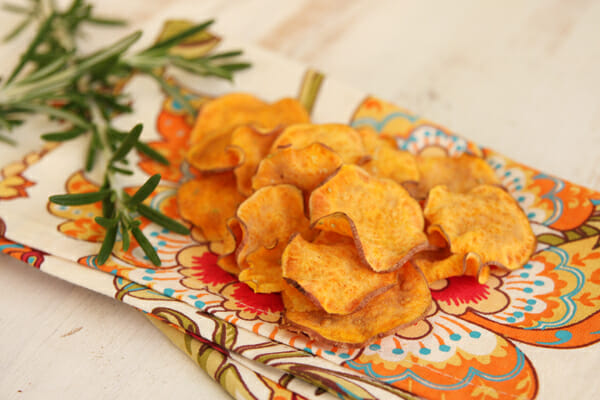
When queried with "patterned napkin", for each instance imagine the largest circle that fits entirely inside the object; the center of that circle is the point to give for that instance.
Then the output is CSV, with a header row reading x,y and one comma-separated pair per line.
x,y
465,347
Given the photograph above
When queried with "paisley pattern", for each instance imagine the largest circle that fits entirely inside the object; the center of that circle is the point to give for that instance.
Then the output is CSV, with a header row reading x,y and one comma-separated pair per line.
x,y
553,301
467,346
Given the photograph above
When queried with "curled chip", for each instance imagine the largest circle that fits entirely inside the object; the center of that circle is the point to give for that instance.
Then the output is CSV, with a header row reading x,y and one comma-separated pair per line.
x,y
269,217
229,264
342,139
332,275
304,168
459,174
211,135
255,145
215,155
402,305
208,202
372,140
441,264
262,270
485,224
231,241
385,222
293,299
385,160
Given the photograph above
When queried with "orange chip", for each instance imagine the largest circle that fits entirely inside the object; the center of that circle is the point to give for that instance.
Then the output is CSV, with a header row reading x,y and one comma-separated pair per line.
x,y
459,174
402,305
485,224
270,216
208,202
441,264
398,165
255,145
385,222
372,140
342,139
215,155
305,168
227,112
263,271
211,135
229,264
332,275
231,241
293,299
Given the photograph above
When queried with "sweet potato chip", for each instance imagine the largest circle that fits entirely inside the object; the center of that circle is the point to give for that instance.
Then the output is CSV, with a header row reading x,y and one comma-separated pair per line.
x,y
227,112
211,135
304,168
208,202
398,165
372,140
459,174
263,271
231,241
229,264
385,160
385,222
485,224
333,275
342,139
293,299
270,216
400,306
215,155
254,145
441,264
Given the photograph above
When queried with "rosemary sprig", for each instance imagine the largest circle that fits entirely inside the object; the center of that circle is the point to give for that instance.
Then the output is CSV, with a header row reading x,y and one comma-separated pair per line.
x,y
53,78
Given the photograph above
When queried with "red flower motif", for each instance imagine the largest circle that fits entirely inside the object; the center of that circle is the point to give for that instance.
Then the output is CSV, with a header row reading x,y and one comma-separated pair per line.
x,y
205,268
462,290
257,303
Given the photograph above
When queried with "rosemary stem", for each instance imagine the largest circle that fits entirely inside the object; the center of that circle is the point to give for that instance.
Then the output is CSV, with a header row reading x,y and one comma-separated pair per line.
x,y
102,129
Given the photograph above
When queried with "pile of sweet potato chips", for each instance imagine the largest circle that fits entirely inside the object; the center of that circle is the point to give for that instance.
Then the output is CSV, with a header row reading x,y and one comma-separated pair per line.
x,y
347,227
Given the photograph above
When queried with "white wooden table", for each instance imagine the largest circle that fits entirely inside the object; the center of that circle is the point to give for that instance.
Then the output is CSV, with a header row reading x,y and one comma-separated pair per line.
x,y
519,77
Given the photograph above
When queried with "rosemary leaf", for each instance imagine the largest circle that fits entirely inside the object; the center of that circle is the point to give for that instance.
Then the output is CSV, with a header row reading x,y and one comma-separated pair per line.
x,y
178,38
150,152
145,190
127,143
7,140
125,236
78,199
63,136
57,113
37,40
106,222
145,245
107,245
227,54
90,157
162,220
106,21
18,29
120,170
